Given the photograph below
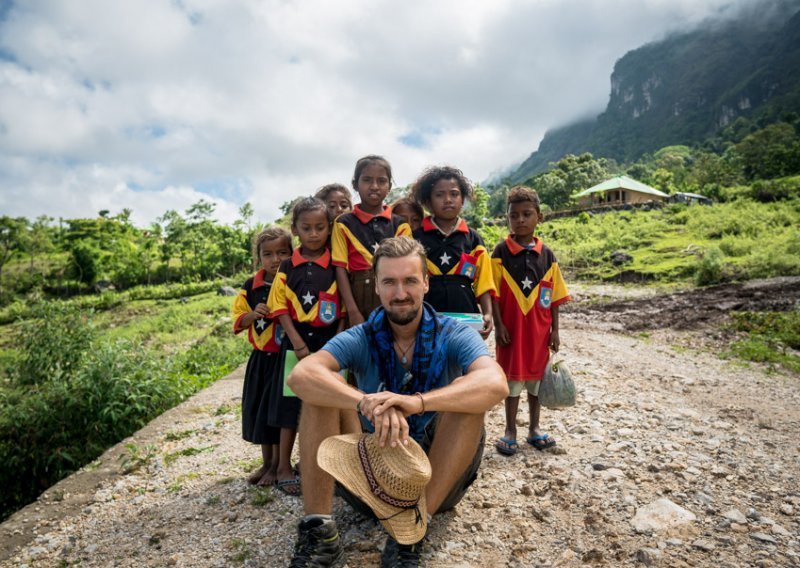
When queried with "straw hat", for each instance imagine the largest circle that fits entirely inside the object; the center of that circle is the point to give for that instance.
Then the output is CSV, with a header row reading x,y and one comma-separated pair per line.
x,y
390,480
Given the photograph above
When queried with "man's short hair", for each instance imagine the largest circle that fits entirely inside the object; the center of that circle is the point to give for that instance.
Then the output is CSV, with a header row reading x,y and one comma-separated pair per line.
x,y
399,247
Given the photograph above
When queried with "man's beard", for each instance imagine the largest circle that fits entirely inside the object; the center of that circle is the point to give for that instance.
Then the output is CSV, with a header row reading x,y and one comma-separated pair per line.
x,y
402,318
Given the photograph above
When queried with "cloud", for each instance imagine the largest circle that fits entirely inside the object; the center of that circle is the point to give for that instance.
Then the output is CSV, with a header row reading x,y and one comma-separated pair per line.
x,y
154,105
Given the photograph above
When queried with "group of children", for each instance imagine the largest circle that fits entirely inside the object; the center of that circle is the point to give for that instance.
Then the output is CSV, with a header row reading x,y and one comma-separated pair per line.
x,y
302,297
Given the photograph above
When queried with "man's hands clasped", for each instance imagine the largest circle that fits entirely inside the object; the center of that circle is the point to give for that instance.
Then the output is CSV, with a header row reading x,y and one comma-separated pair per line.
x,y
387,411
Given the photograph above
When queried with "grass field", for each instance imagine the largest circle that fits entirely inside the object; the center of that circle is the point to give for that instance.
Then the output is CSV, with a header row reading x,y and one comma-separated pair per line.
x,y
748,240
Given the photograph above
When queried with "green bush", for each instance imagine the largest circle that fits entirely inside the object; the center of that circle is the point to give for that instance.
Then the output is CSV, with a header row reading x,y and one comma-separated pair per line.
x,y
709,268
776,189
53,345
94,395
768,337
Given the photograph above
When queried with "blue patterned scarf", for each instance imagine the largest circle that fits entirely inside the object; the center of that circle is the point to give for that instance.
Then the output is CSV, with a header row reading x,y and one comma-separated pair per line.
x,y
430,350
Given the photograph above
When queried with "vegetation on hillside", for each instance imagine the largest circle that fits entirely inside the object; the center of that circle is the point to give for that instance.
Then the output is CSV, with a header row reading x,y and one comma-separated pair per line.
x,y
739,240
77,380
69,256
743,160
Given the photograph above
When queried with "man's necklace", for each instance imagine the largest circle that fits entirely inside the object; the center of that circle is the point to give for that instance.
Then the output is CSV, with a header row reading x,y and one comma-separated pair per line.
x,y
404,352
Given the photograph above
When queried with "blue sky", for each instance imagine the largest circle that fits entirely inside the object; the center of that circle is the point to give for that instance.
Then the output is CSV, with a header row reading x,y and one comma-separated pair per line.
x,y
154,105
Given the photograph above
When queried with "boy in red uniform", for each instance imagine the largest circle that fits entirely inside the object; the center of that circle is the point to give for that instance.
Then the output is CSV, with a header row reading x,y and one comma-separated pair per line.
x,y
530,289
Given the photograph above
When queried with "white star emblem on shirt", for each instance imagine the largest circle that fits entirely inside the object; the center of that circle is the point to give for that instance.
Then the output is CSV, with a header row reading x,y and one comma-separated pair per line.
x,y
526,284
374,247
308,298
261,323
444,259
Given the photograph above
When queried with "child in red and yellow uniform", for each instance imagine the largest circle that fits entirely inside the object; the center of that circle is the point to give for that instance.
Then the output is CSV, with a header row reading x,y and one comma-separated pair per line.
x,y
356,236
305,299
459,270
261,385
530,288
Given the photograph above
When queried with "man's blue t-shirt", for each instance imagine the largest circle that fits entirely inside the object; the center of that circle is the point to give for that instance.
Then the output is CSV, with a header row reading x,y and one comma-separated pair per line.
x,y
351,350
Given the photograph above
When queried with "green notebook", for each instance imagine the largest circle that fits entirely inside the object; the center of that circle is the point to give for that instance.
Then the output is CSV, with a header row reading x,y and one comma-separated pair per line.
x,y
288,365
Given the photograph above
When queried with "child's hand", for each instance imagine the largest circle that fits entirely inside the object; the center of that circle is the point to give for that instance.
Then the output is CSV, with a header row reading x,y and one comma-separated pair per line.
x,y
261,310
555,341
302,353
488,326
501,335
355,318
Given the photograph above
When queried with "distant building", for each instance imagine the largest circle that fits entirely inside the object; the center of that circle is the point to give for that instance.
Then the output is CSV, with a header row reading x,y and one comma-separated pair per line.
x,y
618,190
690,198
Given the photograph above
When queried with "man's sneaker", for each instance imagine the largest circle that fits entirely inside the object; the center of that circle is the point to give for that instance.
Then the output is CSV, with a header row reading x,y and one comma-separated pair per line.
x,y
396,555
318,544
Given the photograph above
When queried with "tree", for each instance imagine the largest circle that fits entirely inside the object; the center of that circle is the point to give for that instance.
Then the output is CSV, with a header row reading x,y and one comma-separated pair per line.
x,y
497,201
13,233
568,176
39,239
246,213
478,209
771,152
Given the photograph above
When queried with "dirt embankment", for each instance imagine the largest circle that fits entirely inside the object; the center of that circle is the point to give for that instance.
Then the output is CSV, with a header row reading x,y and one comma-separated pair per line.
x,y
672,457
686,310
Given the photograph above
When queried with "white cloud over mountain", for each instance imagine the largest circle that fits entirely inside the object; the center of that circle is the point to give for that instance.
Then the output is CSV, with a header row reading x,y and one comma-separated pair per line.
x,y
154,105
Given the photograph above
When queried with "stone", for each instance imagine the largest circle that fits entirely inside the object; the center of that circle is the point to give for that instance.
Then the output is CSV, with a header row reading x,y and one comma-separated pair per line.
x,y
226,291
619,257
778,529
613,474
648,556
661,514
704,545
787,509
736,516
761,537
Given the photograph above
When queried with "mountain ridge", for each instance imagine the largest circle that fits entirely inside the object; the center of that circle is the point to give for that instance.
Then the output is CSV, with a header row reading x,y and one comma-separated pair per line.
x,y
686,88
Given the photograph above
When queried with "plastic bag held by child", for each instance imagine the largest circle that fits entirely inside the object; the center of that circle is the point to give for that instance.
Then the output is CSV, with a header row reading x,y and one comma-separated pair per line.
x,y
557,389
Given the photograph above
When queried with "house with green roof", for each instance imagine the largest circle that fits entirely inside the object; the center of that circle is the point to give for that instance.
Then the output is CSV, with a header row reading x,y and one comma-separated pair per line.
x,y
617,191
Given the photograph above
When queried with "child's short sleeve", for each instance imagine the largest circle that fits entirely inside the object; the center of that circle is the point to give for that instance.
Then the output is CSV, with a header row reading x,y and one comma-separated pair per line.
x,y
239,309
339,255
484,280
497,271
560,292
403,230
277,303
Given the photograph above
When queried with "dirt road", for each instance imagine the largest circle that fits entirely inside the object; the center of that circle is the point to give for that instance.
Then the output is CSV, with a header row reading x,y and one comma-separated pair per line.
x,y
658,423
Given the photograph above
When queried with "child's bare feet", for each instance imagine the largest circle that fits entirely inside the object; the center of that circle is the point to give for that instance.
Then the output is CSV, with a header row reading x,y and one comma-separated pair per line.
x,y
256,476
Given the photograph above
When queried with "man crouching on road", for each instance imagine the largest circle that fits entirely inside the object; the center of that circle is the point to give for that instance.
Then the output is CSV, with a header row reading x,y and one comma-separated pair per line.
x,y
422,377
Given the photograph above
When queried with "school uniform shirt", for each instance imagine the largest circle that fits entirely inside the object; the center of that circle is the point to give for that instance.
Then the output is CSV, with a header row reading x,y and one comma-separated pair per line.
x,y
264,334
306,290
461,253
529,285
356,236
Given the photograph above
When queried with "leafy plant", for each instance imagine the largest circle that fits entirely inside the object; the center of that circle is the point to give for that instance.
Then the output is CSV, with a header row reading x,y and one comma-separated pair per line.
x,y
136,457
709,268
